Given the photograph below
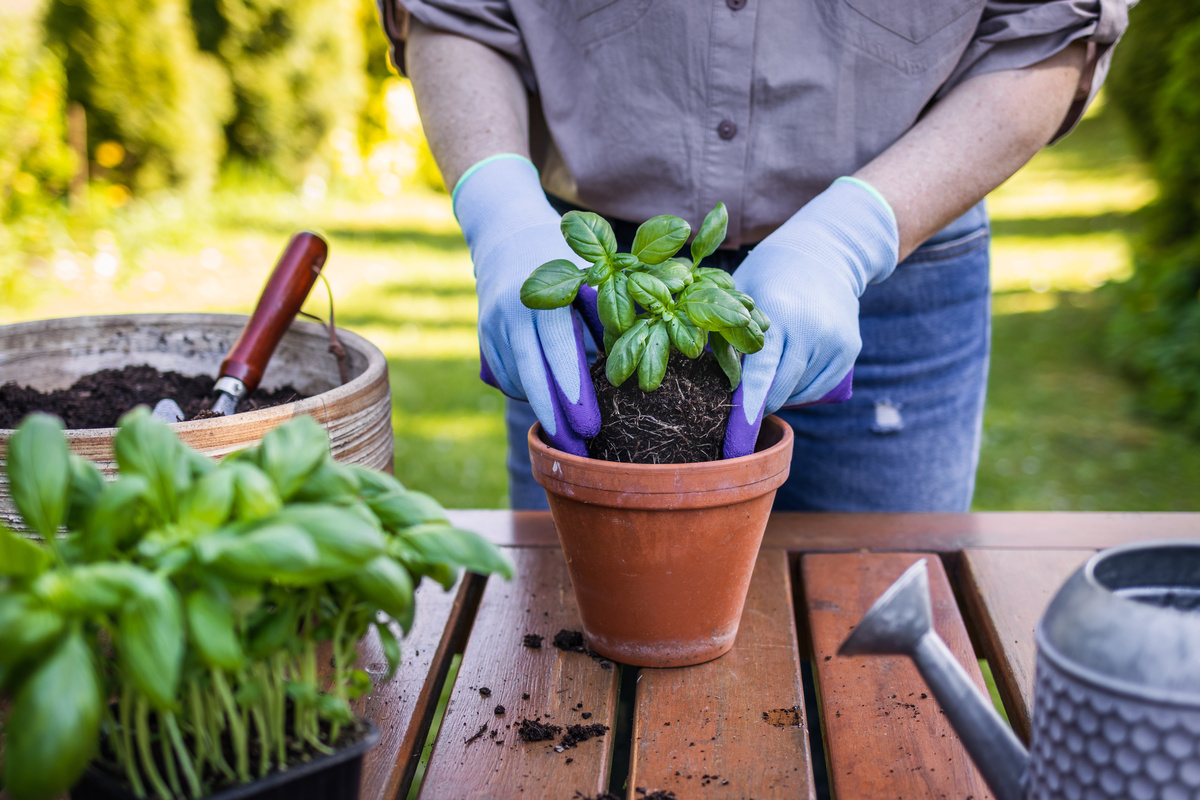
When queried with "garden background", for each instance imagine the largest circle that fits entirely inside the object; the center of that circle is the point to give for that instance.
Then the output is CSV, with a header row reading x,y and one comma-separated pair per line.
x,y
156,154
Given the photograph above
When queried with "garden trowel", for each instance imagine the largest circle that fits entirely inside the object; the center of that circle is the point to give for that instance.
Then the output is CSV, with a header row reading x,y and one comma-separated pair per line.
x,y
286,290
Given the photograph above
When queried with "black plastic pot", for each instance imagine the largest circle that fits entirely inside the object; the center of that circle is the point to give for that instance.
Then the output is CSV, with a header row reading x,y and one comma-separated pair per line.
x,y
332,777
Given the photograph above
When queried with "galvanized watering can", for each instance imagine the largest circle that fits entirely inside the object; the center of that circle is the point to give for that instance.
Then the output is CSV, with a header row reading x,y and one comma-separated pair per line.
x,y
1117,701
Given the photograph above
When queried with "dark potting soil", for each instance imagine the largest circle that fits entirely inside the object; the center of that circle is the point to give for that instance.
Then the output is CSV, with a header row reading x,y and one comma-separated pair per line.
x,y
99,399
533,731
572,642
681,422
581,733
533,641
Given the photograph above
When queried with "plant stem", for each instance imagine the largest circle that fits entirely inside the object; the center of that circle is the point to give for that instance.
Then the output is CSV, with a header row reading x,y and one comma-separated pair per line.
x,y
164,747
264,749
131,768
141,715
339,669
237,729
185,758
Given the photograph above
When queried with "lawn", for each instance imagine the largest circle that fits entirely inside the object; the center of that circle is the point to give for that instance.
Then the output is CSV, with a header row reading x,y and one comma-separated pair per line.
x,y
1060,432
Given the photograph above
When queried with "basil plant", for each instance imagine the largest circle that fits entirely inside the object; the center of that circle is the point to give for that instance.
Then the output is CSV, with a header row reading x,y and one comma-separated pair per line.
x,y
177,621
650,301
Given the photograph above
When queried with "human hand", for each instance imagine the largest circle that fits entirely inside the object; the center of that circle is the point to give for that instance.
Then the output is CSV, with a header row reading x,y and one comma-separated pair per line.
x,y
537,356
807,277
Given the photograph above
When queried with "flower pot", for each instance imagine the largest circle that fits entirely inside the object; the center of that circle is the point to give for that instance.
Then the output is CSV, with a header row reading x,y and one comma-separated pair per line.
x,y
53,354
660,555
328,777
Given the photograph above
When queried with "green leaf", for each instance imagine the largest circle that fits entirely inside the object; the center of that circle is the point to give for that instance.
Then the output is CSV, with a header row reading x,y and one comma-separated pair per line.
x,y
610,340
269,552
743,298
372,481
26,627
589,235
339,483
674,273
387,584
648,290
440,544
552,285
39,473
599,273
659,238
150,641
727,358
146,446
19,557
715,276
760,319
117,518
403,509
292,452
255,495
272,630
713,309
615,305
624,261
93,588
211,628
209,502
625,355
391,648
653,365
87,484
748,339
54,725
687,338
711,233
337,532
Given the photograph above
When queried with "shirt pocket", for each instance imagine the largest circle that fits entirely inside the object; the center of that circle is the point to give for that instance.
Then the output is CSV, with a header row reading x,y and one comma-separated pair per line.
x,y
912,37
600,19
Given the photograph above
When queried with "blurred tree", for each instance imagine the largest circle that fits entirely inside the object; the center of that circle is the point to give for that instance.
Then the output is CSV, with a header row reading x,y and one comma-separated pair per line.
x,y
297,69
1156,83
135,67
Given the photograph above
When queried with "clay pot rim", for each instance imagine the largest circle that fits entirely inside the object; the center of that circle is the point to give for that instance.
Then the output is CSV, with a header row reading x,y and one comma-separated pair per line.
x,y
376,367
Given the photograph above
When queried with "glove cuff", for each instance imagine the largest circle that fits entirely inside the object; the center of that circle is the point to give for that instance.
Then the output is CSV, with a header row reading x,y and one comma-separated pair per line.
x,y
497,197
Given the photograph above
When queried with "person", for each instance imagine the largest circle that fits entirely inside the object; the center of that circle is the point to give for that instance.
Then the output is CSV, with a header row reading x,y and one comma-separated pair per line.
x,y
853,142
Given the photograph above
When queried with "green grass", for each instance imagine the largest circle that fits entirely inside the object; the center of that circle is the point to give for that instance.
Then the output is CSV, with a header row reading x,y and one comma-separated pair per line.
x,y
1059,430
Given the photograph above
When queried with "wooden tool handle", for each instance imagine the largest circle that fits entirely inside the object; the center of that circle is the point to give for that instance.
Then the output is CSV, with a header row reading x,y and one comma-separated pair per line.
x,y
293,277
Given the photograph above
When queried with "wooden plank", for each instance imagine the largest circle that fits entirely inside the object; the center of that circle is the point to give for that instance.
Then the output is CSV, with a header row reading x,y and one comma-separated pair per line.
x,y
885,734
403,707
1005,594
942,533
734,727
479,754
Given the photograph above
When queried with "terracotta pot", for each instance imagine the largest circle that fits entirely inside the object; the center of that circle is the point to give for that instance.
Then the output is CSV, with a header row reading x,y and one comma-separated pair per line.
x,y
660,555
52,354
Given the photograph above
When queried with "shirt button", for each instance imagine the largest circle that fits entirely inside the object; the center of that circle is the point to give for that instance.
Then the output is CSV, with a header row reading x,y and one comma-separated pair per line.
x,y
736,5
727,129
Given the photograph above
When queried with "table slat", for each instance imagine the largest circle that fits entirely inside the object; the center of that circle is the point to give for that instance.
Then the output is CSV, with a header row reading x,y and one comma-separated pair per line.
x,y
539,600
884,738
1005,593
707,720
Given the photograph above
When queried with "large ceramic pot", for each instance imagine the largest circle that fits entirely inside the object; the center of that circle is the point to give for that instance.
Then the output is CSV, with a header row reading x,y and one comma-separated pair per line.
x,y
660,555
53,354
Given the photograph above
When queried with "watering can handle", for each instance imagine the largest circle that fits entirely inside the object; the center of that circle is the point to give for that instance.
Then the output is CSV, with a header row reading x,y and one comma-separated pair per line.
x,y
287,288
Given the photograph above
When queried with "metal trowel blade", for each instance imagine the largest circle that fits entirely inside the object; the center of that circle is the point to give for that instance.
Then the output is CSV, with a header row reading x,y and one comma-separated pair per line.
x,y
168,410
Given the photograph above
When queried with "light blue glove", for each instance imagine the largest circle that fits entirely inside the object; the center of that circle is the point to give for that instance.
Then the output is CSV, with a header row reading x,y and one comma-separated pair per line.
x,y
537,356
807,277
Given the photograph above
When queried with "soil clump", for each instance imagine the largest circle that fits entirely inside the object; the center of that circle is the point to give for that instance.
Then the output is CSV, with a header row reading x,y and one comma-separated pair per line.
x,y
533,731
99,399
681,422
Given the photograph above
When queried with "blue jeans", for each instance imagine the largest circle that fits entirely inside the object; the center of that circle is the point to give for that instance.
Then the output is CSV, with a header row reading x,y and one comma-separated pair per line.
x,y
908,439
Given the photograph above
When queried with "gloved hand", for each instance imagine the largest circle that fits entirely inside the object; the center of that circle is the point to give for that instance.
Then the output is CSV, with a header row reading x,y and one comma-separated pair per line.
x,y
537,356
807,277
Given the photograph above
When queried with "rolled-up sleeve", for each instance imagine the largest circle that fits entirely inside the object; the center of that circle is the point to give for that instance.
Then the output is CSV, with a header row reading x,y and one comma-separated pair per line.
x,y
1014,35
488,22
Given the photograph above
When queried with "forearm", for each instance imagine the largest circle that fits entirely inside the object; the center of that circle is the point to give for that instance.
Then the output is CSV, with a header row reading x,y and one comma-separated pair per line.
x,y
970,142
471,100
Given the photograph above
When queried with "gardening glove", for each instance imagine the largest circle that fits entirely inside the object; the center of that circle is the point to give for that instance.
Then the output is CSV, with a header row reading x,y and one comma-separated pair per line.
x,y
807,277
531,355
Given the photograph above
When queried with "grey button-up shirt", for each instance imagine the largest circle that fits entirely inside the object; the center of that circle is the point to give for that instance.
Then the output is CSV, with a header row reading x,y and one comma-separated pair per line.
x,y
671,106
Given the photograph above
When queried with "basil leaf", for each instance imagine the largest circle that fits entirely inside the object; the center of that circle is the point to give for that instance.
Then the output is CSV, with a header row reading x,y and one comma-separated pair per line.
x,y
625,261
146,446
659,238
255,495
118,517
442,544
711,233
292,452
337,532
212,630
399,510
610,339
598,274
727,358
93,588
687,338
39,473
624,356
272,551
615,305
717,276
589,235
385,583
208,505
150,641
26,627
391,647
653,365
338,483
552,285
713,309
743,298
372,481
19,557
271,630
87,484
760,319
674,274
648,290
747,339
54,725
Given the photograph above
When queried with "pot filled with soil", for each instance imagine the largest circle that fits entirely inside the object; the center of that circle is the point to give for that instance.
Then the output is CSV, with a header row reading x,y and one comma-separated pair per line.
x,y
660,533
117,362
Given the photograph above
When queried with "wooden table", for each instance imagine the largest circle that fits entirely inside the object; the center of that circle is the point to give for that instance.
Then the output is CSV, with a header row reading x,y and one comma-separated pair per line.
x,y
740,726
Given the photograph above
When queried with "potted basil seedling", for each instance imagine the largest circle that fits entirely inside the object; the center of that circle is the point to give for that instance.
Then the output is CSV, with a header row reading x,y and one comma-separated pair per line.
x,y
166,645
660,547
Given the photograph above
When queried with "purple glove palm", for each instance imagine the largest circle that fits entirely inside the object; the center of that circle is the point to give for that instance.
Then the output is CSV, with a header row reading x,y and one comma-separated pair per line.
x,y
807,277
537,356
